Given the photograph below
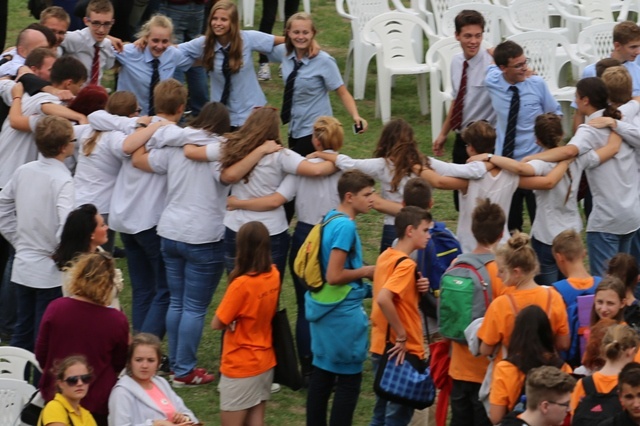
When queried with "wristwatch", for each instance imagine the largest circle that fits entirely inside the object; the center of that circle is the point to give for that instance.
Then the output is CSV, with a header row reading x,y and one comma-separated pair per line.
x,y
489,157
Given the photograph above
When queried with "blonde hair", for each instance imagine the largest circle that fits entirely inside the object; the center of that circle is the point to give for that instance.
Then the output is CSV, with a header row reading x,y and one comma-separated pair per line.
x,y
160,21
618,339
92,276
619,84
329,132
300,16
517,253
569,244
121,103
169,95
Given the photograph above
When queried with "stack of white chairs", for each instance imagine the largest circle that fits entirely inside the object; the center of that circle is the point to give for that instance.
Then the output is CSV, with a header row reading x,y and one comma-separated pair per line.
x,y
14,390
594,43
497,21
434,11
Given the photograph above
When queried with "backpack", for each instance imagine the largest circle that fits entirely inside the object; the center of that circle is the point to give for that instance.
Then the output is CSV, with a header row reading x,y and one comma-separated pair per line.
x,y
465,294
570,296
595,406
307,264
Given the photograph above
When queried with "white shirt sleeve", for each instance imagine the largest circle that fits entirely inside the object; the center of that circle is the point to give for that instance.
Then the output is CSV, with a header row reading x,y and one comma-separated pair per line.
x,y
8,221
473,170
64,205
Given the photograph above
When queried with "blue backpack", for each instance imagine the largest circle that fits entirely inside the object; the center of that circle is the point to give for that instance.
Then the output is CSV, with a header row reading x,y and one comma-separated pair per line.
x,y
433,261
570,296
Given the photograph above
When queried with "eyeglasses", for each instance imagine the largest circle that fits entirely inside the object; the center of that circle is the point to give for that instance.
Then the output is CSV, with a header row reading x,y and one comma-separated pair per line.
x,y
520,65
561,404
73,380
98,24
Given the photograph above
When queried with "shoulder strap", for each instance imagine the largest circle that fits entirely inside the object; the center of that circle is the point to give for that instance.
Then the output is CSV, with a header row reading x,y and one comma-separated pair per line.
x,y
399,261
550,297
589,385
513,304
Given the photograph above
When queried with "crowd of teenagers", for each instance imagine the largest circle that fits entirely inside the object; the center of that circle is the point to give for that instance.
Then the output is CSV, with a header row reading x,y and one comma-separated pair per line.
x,y
217,193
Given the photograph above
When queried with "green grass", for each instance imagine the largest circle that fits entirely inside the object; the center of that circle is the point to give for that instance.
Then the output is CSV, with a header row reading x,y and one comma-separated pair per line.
x,y
288,407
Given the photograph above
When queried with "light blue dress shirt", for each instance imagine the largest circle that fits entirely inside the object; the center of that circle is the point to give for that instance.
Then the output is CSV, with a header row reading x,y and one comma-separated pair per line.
x,y
316,78
245,89
136,71
632,67
535,99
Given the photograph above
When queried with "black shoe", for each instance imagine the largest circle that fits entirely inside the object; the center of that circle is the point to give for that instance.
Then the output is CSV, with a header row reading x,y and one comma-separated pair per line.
x,y
164,369
119,253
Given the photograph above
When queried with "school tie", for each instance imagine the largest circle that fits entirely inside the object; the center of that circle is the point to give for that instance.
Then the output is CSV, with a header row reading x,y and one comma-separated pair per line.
x,y
95,65
456,116
155,78
285,114
226,73
510,135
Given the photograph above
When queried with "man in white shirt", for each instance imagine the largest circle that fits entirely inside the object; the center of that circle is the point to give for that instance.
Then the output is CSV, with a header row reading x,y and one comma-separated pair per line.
x,y
28,40
34,206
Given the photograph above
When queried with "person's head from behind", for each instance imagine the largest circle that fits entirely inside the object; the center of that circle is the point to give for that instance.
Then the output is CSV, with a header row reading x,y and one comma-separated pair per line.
x,y
73,376
593,358
213,118
548,391
83,231
68,73
567,248
170,97
626,41
418,192
487,222
99,18
253,250
620,342
479,137
89,99
619,84
517,262
158,33
92,277
40,61
143,357
413,223
609,300
469,31
355,189
548,130
54,137
48,34
603,64
299,32
57,20
592,95
629,390
625,267
327,134
122,103
510,58
29,39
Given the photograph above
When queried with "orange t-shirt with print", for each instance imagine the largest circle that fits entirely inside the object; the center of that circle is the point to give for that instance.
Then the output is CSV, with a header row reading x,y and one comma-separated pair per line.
x,y
603,384
507,383
400,279
464,366
499,320
250,302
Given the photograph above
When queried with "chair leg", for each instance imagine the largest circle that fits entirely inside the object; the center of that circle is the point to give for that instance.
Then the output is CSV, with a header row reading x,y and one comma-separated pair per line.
x,y
384,94
423,96
359,71
348,65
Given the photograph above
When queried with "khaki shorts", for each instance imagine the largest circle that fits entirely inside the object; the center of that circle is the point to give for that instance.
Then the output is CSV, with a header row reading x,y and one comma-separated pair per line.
x,y
242,394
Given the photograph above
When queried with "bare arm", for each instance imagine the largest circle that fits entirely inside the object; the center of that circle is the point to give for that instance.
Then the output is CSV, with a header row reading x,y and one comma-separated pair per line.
x,y
563,342
260,204
385,301
556,154
324,168
141,136
64,112
545,182
486,350
195,152
338,275
506,163
385,206
612,147
237,171
140,159
350,105
443,182
497,413
216,324
438,144
326,156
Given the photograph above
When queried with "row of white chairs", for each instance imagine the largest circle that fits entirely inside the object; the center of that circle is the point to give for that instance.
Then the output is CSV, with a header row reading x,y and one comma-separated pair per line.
x,y
15,392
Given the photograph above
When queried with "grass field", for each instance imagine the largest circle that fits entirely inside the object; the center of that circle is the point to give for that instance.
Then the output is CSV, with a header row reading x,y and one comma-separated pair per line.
x,y
287,407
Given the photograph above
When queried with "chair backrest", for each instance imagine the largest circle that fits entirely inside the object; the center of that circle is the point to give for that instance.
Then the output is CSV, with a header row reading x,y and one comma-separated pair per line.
x,y
14,394
496,17
13,362
393,34
596,41
440,7
527,15
600,10
364,10
540,48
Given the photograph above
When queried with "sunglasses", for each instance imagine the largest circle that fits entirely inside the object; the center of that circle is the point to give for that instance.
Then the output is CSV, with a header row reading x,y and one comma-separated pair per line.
x,y
73,380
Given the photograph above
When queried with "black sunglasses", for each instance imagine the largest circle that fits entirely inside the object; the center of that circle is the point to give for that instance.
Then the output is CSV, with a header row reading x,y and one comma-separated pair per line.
x,y
73,380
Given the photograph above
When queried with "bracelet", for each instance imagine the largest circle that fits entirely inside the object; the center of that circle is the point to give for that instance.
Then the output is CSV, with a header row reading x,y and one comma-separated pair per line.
x,y
17,97
401,340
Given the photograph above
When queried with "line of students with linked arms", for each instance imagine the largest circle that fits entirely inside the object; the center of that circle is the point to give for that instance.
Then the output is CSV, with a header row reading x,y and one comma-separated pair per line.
x,y
179,238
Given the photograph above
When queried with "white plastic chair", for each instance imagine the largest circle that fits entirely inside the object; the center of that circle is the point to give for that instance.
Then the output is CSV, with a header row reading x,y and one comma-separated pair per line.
x,y
14,394
13,362
392,34
532,15
439,58
497,22
439,7
595,42
360,53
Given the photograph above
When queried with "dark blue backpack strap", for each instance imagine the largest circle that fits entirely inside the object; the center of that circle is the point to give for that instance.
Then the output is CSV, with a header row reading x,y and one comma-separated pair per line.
x,y
589,385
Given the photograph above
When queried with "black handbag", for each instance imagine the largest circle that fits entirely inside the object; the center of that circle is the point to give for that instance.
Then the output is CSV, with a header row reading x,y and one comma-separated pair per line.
x,y
286,371
31,411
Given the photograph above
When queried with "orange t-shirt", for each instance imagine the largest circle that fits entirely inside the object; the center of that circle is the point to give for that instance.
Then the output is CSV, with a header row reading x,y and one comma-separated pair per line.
x,y
401,281
499,320
250,301
507,383
465,366
581,283
603,384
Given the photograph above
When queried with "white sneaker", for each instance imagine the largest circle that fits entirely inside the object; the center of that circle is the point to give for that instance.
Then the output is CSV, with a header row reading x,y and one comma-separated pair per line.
x,y
264,72
275,388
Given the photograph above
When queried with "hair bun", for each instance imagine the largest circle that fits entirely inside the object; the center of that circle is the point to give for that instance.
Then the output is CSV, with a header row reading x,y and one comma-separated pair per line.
x,y
518,240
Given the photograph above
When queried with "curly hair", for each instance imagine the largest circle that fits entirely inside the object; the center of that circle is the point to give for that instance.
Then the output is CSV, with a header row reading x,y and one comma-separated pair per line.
x,y
92,276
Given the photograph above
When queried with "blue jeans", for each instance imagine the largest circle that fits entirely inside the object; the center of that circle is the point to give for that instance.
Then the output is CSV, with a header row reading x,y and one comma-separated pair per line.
x,y
346,388
150,294
193,274
549,272
603,246
388,235
303,335
387,413
279,250
31,304
187,25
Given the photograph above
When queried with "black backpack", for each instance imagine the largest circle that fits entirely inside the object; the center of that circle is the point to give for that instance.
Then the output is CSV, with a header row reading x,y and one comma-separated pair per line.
x,y
595,406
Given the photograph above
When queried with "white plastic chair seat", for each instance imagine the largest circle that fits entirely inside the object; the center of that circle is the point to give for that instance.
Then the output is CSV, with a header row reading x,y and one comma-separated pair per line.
x,y
13,362
14,394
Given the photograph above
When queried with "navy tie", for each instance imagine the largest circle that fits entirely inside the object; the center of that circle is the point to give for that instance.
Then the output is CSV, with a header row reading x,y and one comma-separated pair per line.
x,y
285,114
226,73
155,78
510,135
